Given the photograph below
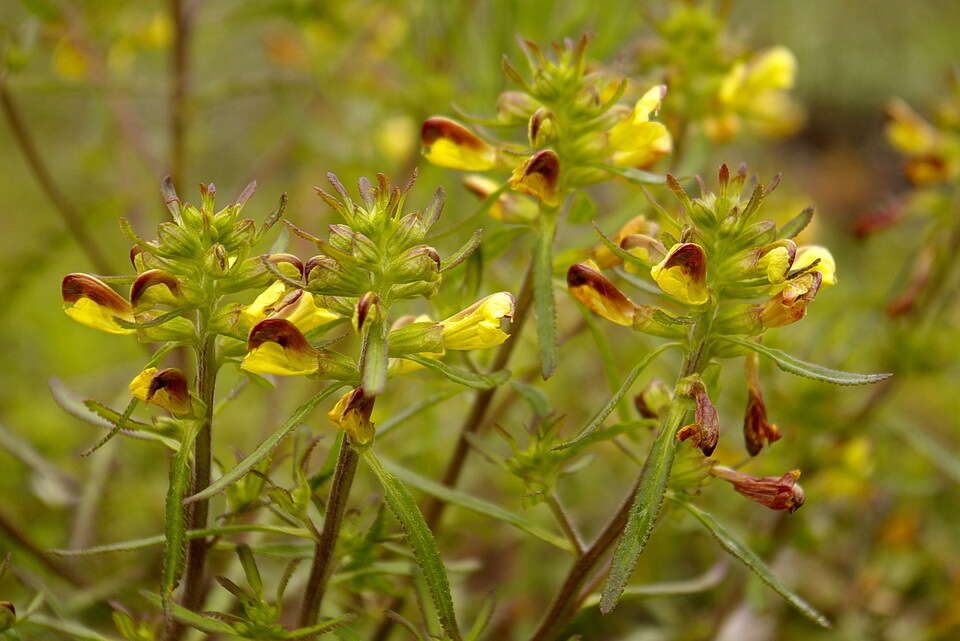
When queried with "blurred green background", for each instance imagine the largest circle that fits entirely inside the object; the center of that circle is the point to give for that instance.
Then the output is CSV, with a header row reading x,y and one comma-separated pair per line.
x,y
282,91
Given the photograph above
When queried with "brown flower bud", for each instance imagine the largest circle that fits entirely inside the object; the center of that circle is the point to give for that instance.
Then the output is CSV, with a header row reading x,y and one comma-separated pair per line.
x,y
774,492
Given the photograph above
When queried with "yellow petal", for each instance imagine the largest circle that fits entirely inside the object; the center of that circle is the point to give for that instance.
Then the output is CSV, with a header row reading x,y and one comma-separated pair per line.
x,y
165,388
598,294
538,177
352,413
827,266
480,325
683,274
276,346
90,302
447,143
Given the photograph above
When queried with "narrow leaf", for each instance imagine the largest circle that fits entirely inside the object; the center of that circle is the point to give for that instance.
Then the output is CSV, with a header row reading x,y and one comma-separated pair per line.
x,y
750,559
706,581
421,541
636,176
175,523
464,252
796,224
321,628
582,209
645,509
200,622
474,504
794,365
264,449
149,541
116,429
374,357
461,376
74,631
611,404
544,303
484,616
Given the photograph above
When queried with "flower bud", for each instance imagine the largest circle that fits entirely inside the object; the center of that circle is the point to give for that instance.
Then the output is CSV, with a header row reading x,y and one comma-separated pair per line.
x,y
218,260
333,365
599,295
757,431
654,398
683,274
354,243
155,287
417,263
647,249
276,346
538,177
367,309
447,143
601,254
141,259
790,305
326,276
827,267
165,388
8,616
486,323
540,128
774,492
705,432
424,337
89,301
352,415
509,207
515,107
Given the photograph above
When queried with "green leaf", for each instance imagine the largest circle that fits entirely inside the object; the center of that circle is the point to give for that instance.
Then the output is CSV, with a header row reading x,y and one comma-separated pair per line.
x,y
594,423
267,446
321,628
582,209
421,541
544,303
636,176
116,429
536,398
645,509
794,365
461,376
796,224
618,251
706,581
149,541
484,616
464,252
374,357
202,623
75,631
175,521
474,504
938,453
750,559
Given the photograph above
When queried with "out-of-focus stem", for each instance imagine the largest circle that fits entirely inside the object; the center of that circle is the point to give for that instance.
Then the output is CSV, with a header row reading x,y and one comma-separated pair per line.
x,y
70,216
20,540
179,88
333,518
566,523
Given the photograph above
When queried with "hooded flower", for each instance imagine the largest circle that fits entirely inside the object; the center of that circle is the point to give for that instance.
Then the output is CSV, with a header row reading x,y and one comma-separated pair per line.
x,y
352,415
447,143
638,141
297,306
599,295
89,301
790,304
774,492
165,388
538,177
276,346
155,286
683,273
484,324
826,266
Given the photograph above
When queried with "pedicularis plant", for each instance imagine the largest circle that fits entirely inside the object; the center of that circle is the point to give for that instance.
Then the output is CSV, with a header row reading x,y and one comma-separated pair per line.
x,y
716,277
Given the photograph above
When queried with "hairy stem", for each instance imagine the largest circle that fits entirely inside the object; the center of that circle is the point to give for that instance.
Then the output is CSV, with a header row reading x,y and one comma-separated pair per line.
x,y
566,523
70,216
323,551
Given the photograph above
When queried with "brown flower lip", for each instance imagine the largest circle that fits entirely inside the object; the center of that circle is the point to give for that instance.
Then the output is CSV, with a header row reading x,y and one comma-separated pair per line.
x,y
173,381
276,259
279,331
438,127
691,258
76,286
150,278
601,296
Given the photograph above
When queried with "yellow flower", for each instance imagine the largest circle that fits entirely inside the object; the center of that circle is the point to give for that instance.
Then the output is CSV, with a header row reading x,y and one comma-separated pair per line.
x,y
89,301
276,346
155,286
352,415
637,141
775,263
165,388
827,266
297,306
508,207
598,294
908,131
538,177
480,325
447,143
756,89
683,273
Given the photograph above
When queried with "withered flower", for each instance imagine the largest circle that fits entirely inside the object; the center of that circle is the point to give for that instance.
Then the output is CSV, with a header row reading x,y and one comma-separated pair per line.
x,y
704,433
790,305
757,430
774,492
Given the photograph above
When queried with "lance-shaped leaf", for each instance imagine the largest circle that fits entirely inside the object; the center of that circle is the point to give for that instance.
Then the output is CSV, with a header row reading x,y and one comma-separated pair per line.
x,y
594,423
421,541
264,449
175,528
635,176
374,358
464,252
461,376
544,303
645,509
794,365
194,620
793,227
750,559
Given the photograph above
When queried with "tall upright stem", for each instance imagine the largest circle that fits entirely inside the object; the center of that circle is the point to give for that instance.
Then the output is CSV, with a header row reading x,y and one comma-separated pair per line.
x,y
179,88
194,585
332,520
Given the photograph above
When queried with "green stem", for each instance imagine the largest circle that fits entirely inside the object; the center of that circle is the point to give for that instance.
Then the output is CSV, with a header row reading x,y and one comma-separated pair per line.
x,y
323,551
566,523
